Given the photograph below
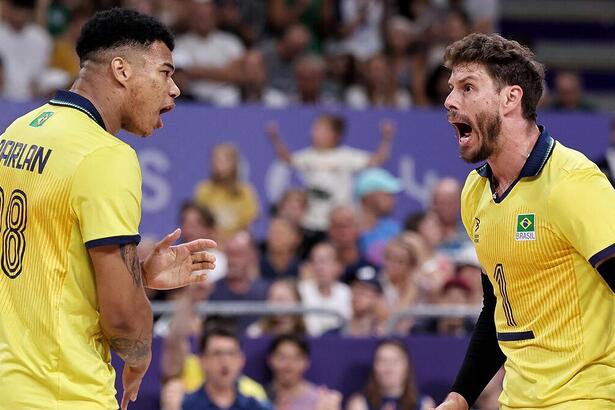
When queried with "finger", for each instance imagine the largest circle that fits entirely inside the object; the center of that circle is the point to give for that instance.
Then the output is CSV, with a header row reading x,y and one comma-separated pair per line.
x,y
200,245
203,257
203,266
124,401
169,239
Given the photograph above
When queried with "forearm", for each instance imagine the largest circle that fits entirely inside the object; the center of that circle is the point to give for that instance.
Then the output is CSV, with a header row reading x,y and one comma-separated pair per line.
x,y
484,356
382,153
175,344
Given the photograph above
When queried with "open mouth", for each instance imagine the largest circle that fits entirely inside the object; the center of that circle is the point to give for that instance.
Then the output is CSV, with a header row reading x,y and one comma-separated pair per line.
x,y
166,109
464,130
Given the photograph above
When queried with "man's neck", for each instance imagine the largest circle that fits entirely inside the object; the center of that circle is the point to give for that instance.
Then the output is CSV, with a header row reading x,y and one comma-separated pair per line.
x,y
99,95
222,396
349,254
516,146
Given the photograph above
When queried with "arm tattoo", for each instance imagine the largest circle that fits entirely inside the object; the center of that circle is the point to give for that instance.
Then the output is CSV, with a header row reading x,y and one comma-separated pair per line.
x,y
129,255
132,351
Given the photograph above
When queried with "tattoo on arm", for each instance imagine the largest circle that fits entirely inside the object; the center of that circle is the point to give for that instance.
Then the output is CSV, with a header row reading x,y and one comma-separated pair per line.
x,y
129,255
132,351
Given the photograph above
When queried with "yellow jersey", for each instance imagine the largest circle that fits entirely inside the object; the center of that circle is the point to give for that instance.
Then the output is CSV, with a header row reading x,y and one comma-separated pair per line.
x,y
539,243
65,185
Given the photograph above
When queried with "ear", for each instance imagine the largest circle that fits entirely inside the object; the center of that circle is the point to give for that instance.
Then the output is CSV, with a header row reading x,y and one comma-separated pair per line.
x,y
121,69
511,97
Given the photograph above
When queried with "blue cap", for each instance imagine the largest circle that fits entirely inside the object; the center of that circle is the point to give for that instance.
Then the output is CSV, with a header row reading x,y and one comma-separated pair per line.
x,y
367,274
376,180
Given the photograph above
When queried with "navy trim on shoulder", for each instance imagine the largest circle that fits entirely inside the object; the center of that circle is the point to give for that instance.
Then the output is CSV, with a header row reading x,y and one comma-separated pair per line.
x,y
515,336
602,255
78,102
543,148
113,240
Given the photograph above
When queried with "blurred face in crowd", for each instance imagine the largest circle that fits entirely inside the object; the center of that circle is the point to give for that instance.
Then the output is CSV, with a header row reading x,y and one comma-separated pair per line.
x,y
254,69
224,161
378,72
283,236
343,228
240,255
380,203
455,27
309,75
568,89
446,201
293,206
222,361
364,299
430,230
203,18
471,275
390,367
193,227
323,134
399,35
282,293
296,41
288,364
16,16
398,262
325,263
473,109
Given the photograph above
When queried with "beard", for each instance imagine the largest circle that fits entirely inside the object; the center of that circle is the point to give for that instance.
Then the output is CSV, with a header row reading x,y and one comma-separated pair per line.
x,y
488,127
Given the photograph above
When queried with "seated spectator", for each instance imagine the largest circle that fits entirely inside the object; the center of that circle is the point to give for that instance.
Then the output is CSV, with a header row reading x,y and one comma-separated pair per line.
x,y
341,72
289,360
253,86
282,292
468,269
323,290
25,49
232,201
280,252
280,57
380,90
241,282
366,300
64,57
222,361
208,60
360,28
327,167
568,93
391,384
344,235
310,72
376,189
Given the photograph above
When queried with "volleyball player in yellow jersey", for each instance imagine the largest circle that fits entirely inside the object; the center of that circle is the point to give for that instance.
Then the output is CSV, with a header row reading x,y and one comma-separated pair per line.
x,y
542,218
71,286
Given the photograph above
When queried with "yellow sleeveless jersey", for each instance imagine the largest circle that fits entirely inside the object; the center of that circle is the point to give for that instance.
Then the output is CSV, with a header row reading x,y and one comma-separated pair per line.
x,y
65,185
538,244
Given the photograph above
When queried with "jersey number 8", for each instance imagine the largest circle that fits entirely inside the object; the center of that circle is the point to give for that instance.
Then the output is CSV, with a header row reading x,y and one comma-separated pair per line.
x,y
12,225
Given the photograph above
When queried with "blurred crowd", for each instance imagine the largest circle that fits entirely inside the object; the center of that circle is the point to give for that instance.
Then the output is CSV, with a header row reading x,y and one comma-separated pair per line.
x,y
357,53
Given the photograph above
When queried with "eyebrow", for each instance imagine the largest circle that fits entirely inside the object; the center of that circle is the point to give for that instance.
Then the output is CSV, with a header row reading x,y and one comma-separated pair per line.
x,y
169,65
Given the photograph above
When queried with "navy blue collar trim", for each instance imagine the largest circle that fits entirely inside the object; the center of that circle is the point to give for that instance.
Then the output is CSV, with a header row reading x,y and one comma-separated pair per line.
x,y
535,162
78,102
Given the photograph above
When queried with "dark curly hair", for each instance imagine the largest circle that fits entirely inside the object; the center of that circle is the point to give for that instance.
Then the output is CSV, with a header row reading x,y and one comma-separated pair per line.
x,y
119,27
506,61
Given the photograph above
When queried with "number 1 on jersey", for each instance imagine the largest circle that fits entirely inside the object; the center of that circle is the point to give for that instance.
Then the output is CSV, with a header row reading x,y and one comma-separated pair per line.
x,y
501,280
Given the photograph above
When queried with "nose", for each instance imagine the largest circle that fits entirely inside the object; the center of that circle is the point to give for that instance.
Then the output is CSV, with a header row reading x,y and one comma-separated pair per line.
x,y
451,101
174,91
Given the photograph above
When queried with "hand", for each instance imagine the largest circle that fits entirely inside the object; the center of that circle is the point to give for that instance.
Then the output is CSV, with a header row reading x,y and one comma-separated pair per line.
x,y
454,401
131,380
328,399
170,267
387,130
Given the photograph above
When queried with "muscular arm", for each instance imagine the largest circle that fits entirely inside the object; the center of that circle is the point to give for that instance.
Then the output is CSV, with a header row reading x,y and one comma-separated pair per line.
x,y
125,312
484,357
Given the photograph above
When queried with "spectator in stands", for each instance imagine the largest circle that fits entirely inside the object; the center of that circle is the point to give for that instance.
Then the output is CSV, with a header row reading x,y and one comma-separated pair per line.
x,y
341,73
280,253
361,24
328,167
381,89
437,86
64,56
568,93
454,24
366,319
391,384
310,72
293,206
232,201
398,275
606,163
446,205
280,57
376,189
323,290
344,235
25,49
253,84
222,361
468,269
282,292
208,59
241,282
246,19
289,359
406,57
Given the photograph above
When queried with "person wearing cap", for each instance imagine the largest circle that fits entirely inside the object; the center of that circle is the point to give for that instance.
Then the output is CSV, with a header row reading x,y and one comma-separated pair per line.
x,y
376,189
366,301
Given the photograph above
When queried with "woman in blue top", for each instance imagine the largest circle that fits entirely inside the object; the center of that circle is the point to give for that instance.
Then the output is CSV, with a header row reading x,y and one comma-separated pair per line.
x,y
391,384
